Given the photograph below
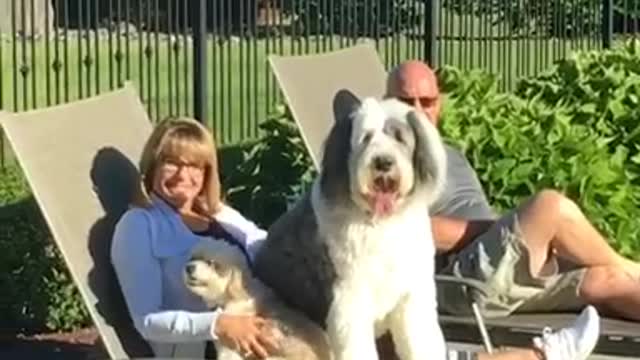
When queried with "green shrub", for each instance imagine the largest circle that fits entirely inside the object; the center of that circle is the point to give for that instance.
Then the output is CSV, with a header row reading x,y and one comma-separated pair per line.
x,y
37,291
601,90
519,146
272,172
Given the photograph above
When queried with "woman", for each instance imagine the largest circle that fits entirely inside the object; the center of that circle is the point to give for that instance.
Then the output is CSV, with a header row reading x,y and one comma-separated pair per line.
x,y
178,203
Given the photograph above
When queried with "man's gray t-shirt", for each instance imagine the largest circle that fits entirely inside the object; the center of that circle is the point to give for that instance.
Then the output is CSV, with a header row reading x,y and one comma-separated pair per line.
x,y
463,196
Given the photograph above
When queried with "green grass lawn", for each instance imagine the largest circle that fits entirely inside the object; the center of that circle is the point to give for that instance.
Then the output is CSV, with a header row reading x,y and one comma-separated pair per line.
x,y
240,86
241,89
239,82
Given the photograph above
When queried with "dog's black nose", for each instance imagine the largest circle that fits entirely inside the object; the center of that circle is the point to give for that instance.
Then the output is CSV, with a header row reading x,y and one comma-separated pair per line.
x,y
383,163
190,268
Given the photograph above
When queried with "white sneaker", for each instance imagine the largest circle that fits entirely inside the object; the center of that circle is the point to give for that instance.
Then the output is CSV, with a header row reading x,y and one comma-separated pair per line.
x,y
571,343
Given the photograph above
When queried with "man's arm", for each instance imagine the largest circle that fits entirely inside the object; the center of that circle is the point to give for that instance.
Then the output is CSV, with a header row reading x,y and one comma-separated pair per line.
x,y
453,234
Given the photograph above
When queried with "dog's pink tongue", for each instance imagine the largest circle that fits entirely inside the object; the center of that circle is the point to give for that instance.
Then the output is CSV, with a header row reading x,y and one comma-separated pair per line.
x,y
383,203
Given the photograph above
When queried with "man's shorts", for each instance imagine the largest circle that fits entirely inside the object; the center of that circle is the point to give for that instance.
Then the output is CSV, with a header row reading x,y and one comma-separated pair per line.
x,y
500,259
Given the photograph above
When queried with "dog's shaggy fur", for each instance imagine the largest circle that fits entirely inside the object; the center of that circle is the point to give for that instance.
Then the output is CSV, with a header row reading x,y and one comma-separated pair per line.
x,y
220,275
356,253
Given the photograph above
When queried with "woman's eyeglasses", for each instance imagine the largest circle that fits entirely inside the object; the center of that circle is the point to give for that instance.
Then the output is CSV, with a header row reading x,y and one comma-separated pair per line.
x,y
172,166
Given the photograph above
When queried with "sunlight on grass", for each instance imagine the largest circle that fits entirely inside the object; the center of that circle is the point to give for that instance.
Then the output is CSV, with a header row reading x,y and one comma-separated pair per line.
x,y
241,89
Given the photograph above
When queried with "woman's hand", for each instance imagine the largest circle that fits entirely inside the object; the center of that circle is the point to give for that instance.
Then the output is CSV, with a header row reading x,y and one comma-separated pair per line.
x,y
249,335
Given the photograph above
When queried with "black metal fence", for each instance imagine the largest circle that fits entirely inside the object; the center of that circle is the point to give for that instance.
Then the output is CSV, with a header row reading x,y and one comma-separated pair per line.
x,y
207,59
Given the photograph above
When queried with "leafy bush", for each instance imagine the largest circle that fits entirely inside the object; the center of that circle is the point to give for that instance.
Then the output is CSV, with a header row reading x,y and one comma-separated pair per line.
x,y
37,291
272,172
520,145
601,90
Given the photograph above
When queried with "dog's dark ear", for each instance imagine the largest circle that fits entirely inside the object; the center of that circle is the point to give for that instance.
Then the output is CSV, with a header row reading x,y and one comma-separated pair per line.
x,y
429,157
334,180
344,103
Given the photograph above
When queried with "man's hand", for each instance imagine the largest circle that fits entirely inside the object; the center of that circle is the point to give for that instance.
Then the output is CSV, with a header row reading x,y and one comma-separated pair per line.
x,y
453,234
249,335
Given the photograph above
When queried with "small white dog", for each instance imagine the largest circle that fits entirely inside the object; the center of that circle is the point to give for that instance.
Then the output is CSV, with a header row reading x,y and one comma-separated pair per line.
x,y
219,274
356,254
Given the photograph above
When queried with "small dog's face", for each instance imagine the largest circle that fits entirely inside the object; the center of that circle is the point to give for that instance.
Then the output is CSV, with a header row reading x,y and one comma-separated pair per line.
x,y
213,272
208,279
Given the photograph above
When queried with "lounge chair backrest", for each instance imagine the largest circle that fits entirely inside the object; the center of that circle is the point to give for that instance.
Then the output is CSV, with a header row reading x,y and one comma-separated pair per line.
x,y
80,160
309,83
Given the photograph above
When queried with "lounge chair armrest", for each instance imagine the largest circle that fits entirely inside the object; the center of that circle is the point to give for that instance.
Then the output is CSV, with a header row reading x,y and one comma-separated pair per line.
x,y
475,286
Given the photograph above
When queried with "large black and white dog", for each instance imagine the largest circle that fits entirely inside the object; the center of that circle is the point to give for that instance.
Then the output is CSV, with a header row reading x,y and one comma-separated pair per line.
x,y
356,253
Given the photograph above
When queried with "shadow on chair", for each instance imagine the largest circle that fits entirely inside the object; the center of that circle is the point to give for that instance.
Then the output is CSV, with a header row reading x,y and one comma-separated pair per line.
x,y
114,178
79,161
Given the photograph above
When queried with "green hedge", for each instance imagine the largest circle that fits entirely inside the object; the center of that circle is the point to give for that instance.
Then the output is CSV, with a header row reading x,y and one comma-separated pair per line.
x,y
272,172
37,292
573,128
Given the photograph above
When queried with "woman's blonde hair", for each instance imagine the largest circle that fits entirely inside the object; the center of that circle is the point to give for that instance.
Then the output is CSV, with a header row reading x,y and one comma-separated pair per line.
x,y
187,139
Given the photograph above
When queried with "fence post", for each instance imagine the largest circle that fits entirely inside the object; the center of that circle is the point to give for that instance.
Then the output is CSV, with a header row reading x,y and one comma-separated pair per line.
x,y
431,26
607,23
199,26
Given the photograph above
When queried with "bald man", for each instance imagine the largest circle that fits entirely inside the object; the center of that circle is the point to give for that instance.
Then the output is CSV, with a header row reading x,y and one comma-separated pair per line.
x,y
542,256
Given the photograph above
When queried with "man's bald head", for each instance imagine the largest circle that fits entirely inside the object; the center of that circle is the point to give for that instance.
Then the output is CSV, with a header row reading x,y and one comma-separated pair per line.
x,y
415,83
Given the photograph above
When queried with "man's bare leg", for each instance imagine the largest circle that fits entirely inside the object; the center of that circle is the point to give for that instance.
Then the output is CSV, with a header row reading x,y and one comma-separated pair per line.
x,y
518,354
551,222
386,352
612,291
